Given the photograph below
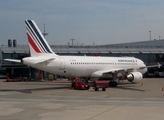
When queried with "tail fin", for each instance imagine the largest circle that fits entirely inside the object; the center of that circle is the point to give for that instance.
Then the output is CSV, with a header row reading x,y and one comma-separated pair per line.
x,y
37,43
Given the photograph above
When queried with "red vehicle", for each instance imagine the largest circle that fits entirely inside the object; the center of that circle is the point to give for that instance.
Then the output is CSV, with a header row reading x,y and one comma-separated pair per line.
x,y
13,80
103,84
80,84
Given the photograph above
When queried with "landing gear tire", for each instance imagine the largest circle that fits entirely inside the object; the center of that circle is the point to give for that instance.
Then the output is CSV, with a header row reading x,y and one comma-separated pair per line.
x,y
112,84
103,89
86,81
96,89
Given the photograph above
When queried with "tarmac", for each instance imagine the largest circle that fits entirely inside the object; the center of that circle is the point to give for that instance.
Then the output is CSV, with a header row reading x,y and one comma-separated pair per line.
x,y
58,101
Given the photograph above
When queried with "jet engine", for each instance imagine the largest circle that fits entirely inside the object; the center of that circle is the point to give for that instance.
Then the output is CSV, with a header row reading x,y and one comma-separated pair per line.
x,y
134,77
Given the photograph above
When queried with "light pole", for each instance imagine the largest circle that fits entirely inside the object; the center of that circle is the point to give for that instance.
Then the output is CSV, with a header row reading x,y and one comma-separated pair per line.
x,y
45,34
150,35
72,41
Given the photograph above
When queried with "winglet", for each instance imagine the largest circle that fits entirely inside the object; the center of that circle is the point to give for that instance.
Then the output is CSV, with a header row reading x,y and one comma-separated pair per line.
x,y
159,65
151,66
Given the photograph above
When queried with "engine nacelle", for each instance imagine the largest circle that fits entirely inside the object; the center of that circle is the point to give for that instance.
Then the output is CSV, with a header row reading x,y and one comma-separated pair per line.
x,y
134,77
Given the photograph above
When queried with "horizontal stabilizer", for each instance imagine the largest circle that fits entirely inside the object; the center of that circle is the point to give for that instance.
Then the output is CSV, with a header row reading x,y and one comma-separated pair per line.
x,y
13,60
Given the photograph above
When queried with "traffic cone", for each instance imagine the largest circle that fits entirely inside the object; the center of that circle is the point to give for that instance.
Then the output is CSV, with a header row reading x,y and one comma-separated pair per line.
x,y
141,83
26,82
162,88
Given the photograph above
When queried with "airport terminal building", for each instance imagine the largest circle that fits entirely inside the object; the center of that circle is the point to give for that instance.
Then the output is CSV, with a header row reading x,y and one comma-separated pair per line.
x,y
150,52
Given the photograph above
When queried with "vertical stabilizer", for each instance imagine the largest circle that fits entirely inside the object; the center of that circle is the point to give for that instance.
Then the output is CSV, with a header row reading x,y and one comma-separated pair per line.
x,y
37,43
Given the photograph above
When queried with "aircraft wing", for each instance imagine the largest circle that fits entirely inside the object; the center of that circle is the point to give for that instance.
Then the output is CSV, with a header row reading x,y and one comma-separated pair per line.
x,y
101,72
117,70
158,65
13,60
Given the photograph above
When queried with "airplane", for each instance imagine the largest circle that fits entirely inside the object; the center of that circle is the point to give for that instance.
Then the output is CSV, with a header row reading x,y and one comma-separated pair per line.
x,y
85,67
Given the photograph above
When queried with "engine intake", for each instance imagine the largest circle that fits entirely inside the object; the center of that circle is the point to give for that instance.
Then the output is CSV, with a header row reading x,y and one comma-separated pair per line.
x,y
134,77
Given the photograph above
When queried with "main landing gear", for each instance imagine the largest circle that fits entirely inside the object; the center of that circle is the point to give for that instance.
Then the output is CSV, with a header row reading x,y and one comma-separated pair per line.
x,y
112,84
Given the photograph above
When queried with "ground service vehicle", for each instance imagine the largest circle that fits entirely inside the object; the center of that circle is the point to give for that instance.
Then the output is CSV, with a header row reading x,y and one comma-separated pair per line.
x,y
103,84
80,84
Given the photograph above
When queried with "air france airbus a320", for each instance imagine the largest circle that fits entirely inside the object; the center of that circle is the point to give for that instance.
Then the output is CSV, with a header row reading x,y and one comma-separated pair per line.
x,y
90,68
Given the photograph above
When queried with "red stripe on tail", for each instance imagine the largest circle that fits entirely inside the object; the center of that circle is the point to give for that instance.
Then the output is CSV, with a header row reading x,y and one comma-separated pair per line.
x,y
33,44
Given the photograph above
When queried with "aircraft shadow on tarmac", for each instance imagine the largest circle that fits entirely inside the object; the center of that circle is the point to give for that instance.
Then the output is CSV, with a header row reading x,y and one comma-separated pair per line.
x,y
34,89
129,86
122,86
57,88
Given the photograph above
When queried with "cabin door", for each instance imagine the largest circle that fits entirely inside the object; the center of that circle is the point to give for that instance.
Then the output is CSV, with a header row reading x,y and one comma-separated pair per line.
x,y
62,64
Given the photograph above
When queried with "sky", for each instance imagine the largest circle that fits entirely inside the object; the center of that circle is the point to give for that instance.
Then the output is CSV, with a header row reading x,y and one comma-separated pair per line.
x,y
89,22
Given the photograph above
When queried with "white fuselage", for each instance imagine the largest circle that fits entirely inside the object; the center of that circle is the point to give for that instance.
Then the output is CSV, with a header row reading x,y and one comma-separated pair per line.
x,y
83,66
